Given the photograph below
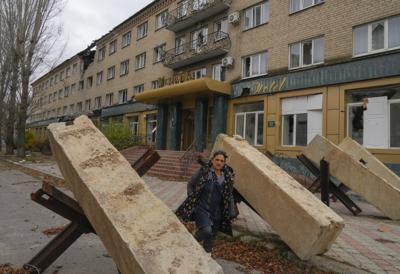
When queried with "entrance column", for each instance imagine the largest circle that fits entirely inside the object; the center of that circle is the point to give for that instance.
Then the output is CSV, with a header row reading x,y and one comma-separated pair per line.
x,y
219,116
200,123
161,133
174,123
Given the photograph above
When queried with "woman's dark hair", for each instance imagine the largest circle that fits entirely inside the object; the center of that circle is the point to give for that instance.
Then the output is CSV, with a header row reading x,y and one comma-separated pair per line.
x,y
220,152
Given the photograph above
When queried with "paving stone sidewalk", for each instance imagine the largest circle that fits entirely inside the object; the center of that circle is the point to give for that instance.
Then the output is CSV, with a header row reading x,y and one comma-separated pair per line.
x,y
369,243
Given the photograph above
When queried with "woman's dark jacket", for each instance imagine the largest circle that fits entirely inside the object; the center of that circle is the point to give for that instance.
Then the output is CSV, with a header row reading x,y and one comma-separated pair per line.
x,y
195,187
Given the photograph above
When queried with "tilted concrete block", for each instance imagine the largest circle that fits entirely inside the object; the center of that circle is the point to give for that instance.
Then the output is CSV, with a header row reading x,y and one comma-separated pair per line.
x,y
140,233
302,221
362,155
354,174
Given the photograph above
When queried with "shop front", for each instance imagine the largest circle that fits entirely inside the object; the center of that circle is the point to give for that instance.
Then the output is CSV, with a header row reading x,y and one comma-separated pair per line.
x,y
360,99
189,114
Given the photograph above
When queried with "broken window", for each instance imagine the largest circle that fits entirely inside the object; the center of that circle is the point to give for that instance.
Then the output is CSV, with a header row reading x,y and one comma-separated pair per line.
x,y
372,117
301,119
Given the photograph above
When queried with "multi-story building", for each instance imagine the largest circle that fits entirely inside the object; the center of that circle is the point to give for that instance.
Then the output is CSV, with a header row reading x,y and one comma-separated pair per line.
x,y
275,72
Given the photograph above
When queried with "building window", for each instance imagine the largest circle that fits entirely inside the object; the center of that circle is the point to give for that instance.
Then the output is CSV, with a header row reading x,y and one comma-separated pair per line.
x,y
99,78
79,107
180,44
97,102
301,119
61,76
111,73
87,104
138,89
81,85
377,36
218,73
134,125
182,8
306,53
126,39
64,112
55,79
221,29
199,39
155,84
249,122
60,94
101,54
142,30
71,109
55,96
161,20
199,73
296,5
159,52
140,61
73,89
124,68
66,91
372,117
255,65
123,96
112,47
151,130
68,72
89,82
109,99
74,68
51,81
256,15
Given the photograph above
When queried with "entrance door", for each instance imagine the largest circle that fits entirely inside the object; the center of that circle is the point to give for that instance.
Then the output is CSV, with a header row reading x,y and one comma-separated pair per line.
x,y
187,128
375,123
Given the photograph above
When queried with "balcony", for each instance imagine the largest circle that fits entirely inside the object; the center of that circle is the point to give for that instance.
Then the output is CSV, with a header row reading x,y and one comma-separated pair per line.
x,y
203,48
190,12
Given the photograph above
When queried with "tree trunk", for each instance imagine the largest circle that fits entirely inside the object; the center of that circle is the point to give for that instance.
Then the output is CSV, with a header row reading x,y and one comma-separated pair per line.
x,y
22,115
11,111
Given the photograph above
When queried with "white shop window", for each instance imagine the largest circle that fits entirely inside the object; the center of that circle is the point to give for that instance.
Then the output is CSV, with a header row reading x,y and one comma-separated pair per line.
x,y
374,124
249,122
306,53
134,125
301,119
376,37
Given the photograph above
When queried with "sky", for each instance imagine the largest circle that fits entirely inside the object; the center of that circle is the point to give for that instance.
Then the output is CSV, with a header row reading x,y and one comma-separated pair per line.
x,y
87,20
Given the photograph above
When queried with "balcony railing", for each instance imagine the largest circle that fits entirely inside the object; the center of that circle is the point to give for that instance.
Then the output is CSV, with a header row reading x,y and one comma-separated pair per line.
x,y
202,48
190,12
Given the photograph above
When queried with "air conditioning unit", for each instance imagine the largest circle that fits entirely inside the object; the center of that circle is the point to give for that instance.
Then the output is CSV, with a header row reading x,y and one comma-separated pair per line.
x,y
227,61
234,17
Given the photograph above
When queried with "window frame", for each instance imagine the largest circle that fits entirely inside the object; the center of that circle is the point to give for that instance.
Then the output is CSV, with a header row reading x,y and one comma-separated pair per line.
x,y
137,61
109,96
124,64
369,38
112,47
301,53
294,129
256,113
165,19
126,39
163,47
101,54
252,8
112,68
302,5
139,35
124,93
259,66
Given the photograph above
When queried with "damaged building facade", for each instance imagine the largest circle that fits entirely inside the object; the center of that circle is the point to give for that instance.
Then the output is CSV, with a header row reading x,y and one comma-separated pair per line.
x,y
274,72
